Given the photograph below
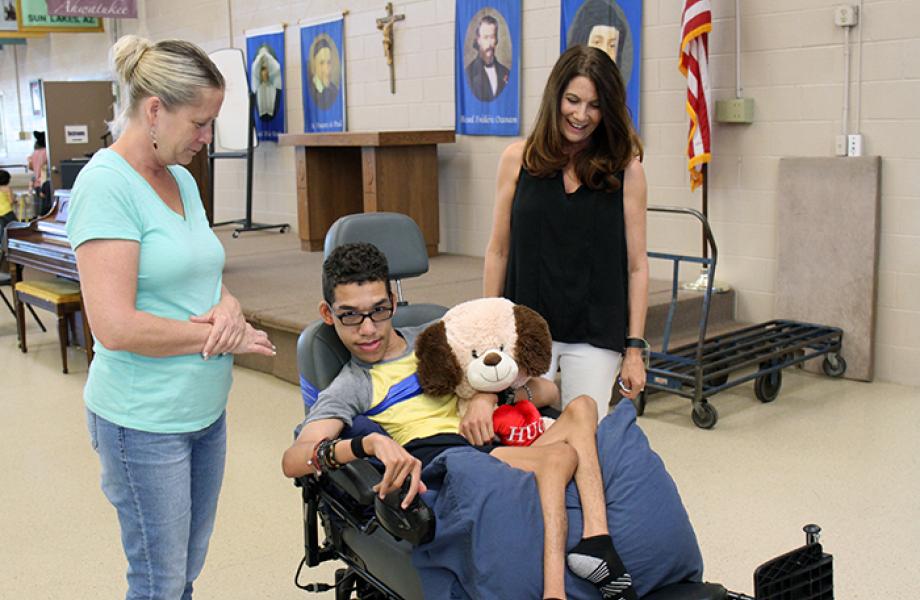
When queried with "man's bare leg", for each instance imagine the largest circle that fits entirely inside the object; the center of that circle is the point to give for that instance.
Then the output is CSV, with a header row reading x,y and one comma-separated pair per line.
x,y
577,426
594,558
553,466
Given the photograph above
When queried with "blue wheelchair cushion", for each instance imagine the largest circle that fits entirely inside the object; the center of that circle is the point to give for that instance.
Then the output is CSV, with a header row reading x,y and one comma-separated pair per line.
x,y
490,525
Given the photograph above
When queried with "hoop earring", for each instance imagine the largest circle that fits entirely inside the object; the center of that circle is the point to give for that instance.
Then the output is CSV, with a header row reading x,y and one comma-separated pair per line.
x,y
153,137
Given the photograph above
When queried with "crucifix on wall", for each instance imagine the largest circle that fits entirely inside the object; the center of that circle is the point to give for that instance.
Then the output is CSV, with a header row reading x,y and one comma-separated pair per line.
x,y
385,24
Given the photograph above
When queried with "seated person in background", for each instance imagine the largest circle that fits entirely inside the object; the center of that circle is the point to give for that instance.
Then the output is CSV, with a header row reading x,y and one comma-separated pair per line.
x,y
359,304
6,201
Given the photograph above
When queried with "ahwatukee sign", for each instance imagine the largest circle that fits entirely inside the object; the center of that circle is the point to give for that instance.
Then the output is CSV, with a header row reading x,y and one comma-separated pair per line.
x,y
112,9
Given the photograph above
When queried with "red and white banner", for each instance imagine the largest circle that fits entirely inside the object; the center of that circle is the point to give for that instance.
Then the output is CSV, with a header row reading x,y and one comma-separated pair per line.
x,y
696,24
112,9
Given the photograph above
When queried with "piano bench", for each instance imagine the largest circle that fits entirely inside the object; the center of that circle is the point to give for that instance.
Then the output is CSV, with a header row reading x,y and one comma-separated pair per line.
x,y
60,297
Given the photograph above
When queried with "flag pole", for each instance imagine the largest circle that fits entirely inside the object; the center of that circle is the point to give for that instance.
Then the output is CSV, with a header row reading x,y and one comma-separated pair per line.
x,y
705,207
701,282
696,24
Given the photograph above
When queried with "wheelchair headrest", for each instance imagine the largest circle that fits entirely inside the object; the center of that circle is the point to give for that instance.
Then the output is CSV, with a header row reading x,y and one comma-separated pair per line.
x,y
395,234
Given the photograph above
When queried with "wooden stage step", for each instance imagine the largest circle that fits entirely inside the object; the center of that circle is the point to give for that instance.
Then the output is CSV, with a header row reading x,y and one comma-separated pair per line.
x,y
279,287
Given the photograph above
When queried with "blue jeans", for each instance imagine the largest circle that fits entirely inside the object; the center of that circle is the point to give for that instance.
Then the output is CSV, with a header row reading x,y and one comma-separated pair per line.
x,y
165,489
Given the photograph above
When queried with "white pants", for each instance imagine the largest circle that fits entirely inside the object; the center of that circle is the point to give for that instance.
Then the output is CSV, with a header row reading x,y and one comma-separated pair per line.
x,y
585,370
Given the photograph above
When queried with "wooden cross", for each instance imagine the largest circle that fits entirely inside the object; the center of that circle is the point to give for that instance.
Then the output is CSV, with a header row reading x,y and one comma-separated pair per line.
x,y
385,24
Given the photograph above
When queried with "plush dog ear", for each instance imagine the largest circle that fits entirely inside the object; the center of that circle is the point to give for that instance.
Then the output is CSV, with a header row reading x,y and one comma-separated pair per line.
x,y
534,347
439,373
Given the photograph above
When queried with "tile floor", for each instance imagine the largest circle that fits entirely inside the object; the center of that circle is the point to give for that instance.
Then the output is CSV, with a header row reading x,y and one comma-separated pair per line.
x,y
842,454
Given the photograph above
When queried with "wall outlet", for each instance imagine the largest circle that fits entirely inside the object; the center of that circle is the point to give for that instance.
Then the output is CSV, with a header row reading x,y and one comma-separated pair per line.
x,y
840,145
737,110
854,144
845,15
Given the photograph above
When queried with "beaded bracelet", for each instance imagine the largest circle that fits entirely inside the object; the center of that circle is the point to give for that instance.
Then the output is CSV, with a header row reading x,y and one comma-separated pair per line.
x,y
326,454
314,460
527,391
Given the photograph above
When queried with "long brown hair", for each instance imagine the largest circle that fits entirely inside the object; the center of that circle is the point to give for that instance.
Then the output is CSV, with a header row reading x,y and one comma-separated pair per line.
x,y
613,144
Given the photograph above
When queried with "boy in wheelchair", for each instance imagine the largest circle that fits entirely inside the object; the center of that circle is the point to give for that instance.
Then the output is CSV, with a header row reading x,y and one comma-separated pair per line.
x,y
378,383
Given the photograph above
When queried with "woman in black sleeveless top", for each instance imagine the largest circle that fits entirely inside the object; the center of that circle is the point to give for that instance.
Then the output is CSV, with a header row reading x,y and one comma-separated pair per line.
x,y
568,236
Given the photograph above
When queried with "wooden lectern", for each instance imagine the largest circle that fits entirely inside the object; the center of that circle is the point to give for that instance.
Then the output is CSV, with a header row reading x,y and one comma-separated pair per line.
x,y
351,172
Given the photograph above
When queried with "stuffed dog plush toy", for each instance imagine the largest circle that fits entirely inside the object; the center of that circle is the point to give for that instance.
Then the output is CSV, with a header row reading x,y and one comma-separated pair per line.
x,y
487,345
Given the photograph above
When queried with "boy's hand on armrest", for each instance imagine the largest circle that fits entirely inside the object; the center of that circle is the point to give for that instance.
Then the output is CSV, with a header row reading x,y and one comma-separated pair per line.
x,y
399,464
476,425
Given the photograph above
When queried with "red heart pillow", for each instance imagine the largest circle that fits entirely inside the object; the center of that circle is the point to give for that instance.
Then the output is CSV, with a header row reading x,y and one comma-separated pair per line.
x,y
517,424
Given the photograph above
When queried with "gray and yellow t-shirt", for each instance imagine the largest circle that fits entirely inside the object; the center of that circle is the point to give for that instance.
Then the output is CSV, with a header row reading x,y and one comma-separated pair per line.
x,y
388,393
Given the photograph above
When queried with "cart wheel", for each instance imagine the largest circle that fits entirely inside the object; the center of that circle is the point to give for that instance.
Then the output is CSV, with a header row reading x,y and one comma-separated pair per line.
x,y
236,234
766,387
283,229
640,404
834,365
704,415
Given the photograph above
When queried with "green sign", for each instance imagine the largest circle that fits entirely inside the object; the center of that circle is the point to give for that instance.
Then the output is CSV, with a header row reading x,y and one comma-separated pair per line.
x,y
32,15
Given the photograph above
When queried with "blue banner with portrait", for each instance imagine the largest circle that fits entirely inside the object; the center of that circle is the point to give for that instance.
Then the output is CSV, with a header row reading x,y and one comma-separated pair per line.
x,y
614,26
488,67
322,59
265,56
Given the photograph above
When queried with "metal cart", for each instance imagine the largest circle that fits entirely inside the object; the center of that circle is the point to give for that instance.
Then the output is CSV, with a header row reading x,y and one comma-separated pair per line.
x,y
704,368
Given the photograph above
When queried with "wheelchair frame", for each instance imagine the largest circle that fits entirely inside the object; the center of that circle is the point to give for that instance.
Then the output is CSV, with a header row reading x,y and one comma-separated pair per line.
x,y
319,494
343,498
805,573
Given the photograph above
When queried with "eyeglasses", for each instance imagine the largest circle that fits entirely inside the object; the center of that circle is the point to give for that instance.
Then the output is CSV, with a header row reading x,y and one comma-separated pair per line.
x,y
354,319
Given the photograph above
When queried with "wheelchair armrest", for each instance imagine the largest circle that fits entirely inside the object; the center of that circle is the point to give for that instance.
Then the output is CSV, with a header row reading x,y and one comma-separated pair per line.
x,y
416,524
357,479
688,591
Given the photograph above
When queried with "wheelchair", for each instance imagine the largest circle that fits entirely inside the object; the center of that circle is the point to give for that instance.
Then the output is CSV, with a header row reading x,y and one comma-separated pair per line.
x,y
375,550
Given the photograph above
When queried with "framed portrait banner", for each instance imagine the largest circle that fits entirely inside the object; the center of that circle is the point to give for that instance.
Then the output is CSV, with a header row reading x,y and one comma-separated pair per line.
x,y
488,67
265,65
32,16
614,26
322,60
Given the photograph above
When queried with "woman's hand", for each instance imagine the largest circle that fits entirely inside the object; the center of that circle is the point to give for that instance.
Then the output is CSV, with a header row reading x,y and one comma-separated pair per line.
x,y
254,341
228,326
632,373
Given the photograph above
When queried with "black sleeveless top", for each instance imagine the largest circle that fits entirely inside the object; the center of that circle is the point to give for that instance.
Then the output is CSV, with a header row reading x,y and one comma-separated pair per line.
x,y
567,259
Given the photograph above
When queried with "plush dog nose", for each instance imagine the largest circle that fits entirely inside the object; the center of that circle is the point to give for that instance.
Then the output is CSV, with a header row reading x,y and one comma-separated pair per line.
x,y
491,359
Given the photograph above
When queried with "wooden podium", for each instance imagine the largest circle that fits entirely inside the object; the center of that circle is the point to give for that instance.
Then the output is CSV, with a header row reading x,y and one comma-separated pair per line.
x,y
351,172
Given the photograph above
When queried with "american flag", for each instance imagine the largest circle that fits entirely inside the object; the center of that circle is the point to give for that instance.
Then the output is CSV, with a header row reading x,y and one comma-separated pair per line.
x,y
696,24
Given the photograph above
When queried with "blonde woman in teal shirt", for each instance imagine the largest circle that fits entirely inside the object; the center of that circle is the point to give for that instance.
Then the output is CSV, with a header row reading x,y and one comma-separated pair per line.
x,y
165,326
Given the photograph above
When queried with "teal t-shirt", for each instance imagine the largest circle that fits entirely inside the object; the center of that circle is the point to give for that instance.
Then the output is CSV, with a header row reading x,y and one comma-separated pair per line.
x,y
179,275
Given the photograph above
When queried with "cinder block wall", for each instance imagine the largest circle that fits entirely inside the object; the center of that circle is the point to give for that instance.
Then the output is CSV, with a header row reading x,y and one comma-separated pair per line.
x,y
792,65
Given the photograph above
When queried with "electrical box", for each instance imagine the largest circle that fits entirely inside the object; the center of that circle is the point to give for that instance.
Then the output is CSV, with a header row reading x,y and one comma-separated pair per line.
x,y
854,144
845,15
737,110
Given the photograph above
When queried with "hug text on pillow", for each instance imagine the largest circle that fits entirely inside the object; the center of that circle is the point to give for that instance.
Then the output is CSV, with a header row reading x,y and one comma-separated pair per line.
x,y
488,345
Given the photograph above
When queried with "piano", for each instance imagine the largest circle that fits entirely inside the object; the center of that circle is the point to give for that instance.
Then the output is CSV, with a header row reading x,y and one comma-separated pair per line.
x,y
42,245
